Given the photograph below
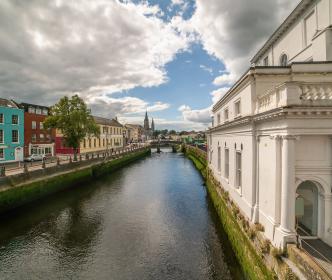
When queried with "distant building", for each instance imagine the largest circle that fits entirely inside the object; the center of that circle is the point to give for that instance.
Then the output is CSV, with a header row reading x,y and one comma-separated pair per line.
x,y
111,136
134,133
11,131
61,148
37,139
148,131
270,144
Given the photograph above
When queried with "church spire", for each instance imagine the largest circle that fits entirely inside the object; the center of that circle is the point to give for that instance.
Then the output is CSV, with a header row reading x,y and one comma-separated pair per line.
x,y
146,121
152,125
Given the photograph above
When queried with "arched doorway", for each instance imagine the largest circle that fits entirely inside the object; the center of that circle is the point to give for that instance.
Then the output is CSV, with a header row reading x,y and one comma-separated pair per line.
x,y
306,209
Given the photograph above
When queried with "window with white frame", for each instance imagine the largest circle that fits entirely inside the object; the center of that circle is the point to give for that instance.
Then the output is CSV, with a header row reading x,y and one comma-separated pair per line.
x,y
38,111
41,125
2,153
31,110
15,136
238,163
14,119
237,108
45,112
41,137
226,163
219,159
1,118
283,60
1,136
33,137
226,114
33,125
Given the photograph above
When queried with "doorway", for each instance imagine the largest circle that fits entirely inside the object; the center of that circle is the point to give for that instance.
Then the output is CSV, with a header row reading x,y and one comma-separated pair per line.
x,y
306,209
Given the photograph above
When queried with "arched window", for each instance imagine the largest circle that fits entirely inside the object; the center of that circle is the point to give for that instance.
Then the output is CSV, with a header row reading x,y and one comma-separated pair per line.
x,y
283,60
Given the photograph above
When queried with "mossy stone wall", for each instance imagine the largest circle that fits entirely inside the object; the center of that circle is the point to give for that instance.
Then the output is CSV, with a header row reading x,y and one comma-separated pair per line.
x,y
251,263
24,193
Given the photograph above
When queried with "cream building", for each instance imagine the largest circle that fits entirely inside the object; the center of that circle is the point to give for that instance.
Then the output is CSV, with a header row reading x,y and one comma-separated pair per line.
x,y
134,132
111,137
271,141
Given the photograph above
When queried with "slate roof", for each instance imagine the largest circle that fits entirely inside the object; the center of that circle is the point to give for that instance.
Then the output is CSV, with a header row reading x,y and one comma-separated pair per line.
x,y
104,121
7,103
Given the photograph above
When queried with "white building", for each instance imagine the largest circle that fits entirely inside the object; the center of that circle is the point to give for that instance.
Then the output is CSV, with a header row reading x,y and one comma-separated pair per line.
x,y
271,141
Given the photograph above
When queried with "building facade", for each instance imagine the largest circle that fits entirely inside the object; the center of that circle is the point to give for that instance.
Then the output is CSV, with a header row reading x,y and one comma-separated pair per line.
x,y
134,133
111,137
270,145
37,139
11,131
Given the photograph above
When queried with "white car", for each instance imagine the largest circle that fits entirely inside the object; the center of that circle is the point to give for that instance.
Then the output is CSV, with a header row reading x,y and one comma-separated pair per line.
x,y
35,157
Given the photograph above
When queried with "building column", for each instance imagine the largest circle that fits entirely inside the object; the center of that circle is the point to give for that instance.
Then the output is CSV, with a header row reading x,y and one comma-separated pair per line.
x,y
255,217
287,215
328,218
278,170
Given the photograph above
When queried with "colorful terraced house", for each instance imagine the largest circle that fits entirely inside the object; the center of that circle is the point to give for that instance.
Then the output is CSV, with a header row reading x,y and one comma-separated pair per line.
x,y
11,131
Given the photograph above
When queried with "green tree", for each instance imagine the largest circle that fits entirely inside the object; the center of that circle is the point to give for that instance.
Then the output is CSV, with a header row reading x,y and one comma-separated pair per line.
x,y
73,118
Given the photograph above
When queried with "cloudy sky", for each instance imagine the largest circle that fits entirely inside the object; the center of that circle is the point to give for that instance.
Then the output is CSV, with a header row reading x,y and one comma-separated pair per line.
x,y
173,58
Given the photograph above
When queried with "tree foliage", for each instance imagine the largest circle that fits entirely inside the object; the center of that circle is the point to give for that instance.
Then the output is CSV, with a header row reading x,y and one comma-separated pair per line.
x,y
73,118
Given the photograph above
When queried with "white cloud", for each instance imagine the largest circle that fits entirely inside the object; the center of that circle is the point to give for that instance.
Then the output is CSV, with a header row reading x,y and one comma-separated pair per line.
x,y
225,79
232,30
218,93
110,107
202,116
87,47
207,69
177,2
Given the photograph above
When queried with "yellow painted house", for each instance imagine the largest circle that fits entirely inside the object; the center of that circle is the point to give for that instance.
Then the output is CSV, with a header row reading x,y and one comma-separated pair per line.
x,y
111,137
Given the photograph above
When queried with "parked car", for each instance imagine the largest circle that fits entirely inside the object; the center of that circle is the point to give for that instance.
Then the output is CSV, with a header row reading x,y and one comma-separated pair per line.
x,y
35,157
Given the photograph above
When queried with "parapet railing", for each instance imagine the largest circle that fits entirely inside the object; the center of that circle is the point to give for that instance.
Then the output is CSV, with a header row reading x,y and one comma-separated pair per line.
x,y
25,167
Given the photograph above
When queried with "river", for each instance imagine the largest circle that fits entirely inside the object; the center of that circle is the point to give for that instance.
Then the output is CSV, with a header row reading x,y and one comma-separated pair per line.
x,y
150,220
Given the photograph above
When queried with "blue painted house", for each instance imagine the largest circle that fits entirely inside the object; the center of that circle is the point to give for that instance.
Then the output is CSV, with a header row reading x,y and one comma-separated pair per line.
x,y
11,131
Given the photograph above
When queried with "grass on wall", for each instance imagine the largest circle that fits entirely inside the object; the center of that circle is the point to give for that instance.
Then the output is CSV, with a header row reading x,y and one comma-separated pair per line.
x,y
251,263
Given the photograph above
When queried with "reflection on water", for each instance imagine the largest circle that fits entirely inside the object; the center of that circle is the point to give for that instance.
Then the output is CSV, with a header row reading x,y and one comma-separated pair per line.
x,y
150,220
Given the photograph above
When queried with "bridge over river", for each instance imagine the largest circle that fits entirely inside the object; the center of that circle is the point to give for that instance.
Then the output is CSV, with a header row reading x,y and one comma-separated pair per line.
x,y
164,143
149,220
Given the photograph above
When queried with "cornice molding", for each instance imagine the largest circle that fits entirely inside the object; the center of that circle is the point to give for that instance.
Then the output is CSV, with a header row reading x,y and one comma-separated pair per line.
x,y
279,113
289,21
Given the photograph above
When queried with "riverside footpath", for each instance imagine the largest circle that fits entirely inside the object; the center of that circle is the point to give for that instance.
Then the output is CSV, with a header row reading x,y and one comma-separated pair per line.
x,y
28,183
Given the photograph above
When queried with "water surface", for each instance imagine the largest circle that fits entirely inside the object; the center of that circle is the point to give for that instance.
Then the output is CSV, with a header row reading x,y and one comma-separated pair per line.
x,y
150,220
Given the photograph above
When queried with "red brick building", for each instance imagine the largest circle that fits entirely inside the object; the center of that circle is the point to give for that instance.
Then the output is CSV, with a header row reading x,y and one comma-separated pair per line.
x,y
37,140
60,145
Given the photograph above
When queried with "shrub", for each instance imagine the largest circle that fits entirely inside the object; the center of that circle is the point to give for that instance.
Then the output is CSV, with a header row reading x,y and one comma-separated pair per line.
x,y
265,246
276,252
259,227
226,195
236,210
289,274
252,233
